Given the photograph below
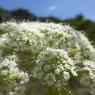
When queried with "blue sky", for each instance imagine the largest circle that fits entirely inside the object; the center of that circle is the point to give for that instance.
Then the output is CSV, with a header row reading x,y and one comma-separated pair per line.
x,y
59,8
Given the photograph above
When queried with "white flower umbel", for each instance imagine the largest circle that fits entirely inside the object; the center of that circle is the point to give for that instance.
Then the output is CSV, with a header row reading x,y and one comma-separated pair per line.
x,y
54,54
9,75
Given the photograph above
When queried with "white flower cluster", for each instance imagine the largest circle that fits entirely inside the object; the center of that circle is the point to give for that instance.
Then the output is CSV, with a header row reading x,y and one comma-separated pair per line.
x,y
51,53
11,76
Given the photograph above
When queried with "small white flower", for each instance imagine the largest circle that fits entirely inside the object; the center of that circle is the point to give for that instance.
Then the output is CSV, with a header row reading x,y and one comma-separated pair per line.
x,y
11,93
66,75
57,71
74,73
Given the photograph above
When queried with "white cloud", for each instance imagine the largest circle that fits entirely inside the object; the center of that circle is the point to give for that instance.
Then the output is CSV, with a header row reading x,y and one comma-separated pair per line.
x,y
52,8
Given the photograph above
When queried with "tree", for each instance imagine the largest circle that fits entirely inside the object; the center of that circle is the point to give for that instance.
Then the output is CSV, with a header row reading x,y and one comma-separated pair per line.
x,y
22,14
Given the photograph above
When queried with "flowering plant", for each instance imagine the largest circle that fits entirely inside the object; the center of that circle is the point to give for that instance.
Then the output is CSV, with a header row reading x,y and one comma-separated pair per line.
x,y
56,55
